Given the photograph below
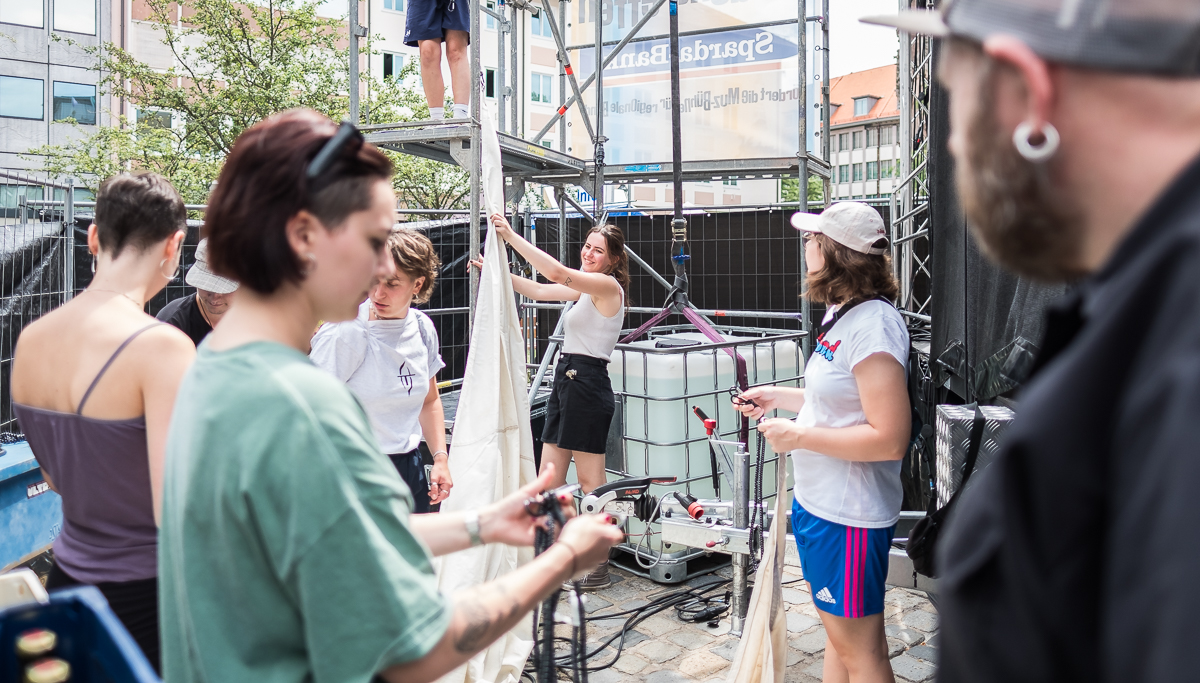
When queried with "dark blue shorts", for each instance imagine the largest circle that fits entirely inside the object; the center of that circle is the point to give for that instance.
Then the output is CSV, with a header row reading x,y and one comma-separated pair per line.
x,y
430,19
412,470
845,566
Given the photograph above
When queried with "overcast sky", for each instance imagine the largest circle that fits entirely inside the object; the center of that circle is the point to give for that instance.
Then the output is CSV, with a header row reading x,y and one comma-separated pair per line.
x,y
856,46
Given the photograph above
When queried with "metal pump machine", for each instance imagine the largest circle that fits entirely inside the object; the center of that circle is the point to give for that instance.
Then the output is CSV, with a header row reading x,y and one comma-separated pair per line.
x,y
733,526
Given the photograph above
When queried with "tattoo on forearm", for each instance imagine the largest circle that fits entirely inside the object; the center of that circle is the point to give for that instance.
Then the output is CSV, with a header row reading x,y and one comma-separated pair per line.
x,y
479,622
568,282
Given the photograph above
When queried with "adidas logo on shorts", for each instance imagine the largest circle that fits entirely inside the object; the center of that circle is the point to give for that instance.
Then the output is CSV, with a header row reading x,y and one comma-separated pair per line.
x,y
824,596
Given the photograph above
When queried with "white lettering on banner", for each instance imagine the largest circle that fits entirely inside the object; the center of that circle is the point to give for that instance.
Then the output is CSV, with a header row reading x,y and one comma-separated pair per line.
x,y
37,489
722,48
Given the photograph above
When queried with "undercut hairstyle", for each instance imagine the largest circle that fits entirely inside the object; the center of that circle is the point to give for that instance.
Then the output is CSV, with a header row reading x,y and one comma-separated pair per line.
x,y
264,184
850,276
614,242
414,256
137,211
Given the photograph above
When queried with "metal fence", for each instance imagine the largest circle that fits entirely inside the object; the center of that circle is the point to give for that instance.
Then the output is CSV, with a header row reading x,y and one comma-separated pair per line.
x,y
36,268
44,261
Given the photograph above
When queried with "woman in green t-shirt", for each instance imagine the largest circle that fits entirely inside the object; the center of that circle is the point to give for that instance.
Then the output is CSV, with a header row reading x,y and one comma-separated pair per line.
x,y
287,550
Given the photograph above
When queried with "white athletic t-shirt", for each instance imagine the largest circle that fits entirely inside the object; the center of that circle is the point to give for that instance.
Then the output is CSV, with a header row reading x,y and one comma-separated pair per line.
x,y
387,365
859,494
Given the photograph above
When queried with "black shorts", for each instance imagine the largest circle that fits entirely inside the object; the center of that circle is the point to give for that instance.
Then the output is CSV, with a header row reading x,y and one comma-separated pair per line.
x,y
430,19
134,602
411,467
581,406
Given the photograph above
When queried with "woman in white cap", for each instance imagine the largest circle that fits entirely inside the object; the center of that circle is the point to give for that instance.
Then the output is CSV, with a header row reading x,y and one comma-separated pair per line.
x,y
849,437
197,314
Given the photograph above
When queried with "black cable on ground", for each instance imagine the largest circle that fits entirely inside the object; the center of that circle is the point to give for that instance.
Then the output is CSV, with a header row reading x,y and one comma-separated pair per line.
x,y
685,601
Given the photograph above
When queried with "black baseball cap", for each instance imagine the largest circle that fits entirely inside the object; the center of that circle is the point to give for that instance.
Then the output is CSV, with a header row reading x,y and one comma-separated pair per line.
x,y
1159,37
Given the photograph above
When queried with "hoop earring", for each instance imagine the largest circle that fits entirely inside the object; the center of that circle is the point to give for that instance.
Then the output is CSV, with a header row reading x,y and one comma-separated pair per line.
x,y
311,265
174,269
1039,153
93,264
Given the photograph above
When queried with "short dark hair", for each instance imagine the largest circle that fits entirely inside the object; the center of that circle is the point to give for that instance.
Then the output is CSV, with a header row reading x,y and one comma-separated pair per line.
x,y
137,211
850,276
264,184
415,256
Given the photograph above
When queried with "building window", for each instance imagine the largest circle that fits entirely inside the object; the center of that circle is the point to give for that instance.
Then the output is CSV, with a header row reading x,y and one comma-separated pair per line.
x,y
872,137
858,139
844,141
864,105
857,172
489,20
540,26
154,119
489,83
540,88
887,169
872,170
75,101
75,16
21,12
888,136
394,5
392,64
22,98
546,143
730,181
844,173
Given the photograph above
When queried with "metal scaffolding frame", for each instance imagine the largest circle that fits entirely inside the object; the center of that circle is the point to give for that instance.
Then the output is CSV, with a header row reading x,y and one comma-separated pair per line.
x,y
910,199
527,161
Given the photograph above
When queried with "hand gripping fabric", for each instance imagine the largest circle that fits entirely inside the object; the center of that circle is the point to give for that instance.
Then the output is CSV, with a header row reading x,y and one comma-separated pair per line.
x,y
491,452
762,653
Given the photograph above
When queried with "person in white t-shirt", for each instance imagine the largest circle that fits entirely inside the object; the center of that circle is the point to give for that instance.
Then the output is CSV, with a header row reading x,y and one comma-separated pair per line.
x,y
389,358
849,437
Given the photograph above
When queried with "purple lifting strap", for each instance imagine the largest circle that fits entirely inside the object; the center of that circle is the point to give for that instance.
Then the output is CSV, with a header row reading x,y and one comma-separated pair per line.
x,y
707,330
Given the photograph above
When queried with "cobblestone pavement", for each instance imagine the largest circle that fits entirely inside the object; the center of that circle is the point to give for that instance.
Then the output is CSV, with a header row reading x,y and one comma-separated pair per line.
x,y
663,649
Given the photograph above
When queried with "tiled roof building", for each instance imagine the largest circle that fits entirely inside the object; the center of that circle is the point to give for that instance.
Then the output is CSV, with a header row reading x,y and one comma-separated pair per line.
x,y
865,145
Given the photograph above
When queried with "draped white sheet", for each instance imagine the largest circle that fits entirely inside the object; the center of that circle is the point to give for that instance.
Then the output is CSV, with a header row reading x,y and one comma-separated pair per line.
x,y
491,452
762,652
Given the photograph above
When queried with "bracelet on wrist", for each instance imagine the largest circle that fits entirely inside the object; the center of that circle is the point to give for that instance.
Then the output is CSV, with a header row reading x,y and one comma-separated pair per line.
x,y
471,520
574,557
437,453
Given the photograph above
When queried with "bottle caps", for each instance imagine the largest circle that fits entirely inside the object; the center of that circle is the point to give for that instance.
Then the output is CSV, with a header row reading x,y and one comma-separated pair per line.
x,y
35,643
49,670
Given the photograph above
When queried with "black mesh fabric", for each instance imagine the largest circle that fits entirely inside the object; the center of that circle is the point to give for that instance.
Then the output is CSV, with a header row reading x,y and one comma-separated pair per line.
x,y
979,309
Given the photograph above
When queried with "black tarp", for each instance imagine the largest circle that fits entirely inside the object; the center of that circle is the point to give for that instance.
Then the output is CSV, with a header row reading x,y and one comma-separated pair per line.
x,y
32,283
986,320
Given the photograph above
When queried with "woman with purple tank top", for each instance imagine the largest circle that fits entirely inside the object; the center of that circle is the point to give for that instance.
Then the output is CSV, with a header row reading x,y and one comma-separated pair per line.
x,y
93,386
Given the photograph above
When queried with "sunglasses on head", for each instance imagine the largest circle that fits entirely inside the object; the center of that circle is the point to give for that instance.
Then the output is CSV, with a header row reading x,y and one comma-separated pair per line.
x,y
346,137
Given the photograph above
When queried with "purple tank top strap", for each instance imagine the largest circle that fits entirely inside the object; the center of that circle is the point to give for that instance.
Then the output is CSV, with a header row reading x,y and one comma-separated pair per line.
x,y
130,338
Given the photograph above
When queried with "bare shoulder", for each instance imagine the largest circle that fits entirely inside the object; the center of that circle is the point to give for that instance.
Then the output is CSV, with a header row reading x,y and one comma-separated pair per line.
x,y
168,342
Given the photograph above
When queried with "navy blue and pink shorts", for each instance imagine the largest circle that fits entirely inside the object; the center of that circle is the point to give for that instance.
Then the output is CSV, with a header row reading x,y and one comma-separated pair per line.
x,y
845,566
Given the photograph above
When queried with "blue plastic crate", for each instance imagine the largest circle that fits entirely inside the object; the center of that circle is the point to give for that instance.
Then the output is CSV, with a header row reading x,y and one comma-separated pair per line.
x,y
90,638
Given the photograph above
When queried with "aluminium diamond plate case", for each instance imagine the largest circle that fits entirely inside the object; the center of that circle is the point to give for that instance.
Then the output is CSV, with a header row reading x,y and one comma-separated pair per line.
x,y
953,437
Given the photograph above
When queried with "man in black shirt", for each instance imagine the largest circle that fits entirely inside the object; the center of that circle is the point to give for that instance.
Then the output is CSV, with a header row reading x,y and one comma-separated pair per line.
x,y
1075,127
196,314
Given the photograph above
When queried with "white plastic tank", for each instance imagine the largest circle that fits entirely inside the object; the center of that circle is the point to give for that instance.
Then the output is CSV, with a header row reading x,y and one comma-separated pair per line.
x,y
661,434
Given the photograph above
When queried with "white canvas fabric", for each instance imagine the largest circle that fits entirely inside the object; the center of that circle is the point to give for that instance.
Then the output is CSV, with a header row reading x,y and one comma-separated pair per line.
x,y
762,652
491,453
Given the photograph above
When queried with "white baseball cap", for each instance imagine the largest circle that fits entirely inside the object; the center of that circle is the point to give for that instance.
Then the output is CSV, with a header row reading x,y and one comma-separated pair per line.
x,y
850,224
200,277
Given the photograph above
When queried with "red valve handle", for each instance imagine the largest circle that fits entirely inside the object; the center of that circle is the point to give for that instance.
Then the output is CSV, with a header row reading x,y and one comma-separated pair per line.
x,y
710,426
710,544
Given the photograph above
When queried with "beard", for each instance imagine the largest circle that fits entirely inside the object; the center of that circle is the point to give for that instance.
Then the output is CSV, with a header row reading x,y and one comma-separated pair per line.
x,y
1016,214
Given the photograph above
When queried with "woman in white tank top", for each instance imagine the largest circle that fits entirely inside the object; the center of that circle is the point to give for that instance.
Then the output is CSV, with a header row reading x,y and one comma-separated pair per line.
x,y
581,404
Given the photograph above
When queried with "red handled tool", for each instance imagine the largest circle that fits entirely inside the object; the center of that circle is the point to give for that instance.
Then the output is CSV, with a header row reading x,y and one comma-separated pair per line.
x,y
710,426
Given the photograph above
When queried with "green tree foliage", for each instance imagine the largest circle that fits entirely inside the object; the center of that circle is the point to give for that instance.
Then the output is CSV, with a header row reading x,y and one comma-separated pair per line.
x,y
789,190
235,64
